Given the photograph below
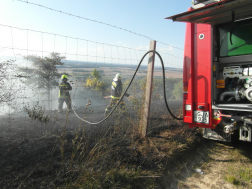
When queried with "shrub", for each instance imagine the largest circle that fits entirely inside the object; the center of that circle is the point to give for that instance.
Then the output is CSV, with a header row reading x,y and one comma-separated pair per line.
x,y
37,113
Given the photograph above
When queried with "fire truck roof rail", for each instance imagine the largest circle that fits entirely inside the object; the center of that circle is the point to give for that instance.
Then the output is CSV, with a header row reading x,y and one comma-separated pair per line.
x,y
201,3
217,12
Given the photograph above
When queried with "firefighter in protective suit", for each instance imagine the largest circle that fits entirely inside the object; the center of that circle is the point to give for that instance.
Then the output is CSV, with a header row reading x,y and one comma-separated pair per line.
x,y
116,91
64,95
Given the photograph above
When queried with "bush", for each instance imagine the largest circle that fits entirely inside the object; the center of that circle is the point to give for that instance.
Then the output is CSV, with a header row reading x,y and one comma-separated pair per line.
x,y
94,81
37,113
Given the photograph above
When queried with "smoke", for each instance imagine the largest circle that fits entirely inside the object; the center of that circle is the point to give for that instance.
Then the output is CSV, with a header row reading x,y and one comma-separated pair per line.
x,y
16,93
79,95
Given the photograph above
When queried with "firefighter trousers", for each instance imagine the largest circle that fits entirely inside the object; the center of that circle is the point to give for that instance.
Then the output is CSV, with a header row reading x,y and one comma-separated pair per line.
x,y
112,104
61,101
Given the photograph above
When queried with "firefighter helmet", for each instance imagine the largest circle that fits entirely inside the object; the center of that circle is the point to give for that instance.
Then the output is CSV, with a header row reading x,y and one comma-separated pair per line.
x,y
64,77
118,76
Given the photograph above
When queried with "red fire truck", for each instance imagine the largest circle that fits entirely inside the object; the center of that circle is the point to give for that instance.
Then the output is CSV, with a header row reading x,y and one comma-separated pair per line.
x,y
217,70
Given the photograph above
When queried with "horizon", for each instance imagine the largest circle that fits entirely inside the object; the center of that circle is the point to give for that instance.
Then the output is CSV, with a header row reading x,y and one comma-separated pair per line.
x,y
79,63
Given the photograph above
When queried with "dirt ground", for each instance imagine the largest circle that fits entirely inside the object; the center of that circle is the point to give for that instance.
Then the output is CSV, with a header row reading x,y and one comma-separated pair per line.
x,y
211,165
223,165
32,156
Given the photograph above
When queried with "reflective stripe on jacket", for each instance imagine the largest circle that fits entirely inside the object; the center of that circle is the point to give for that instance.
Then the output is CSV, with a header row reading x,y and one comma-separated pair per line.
x,y
114,97
116,89
64,88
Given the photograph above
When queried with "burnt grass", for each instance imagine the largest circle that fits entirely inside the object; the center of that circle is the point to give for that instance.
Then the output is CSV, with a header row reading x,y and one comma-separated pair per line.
x,y
69,153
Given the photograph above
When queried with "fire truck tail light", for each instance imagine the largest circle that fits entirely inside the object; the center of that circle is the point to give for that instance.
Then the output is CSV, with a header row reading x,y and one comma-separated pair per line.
x,y
185,96
185,87
188,107
185,91
188,113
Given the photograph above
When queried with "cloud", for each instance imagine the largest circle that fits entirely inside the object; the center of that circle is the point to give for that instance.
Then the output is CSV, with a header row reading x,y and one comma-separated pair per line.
x,y
126,45
169,48
141,47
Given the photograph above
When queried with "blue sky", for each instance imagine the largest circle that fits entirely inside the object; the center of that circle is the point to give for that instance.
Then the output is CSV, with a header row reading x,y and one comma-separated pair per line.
x,y
145,17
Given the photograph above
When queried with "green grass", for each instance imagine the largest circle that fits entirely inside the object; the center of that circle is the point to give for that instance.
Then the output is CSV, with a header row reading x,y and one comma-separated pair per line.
x,y
246,174
239,176
232,179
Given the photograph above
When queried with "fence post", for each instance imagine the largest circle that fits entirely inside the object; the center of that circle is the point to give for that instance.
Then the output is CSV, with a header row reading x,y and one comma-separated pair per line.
x,y
148,91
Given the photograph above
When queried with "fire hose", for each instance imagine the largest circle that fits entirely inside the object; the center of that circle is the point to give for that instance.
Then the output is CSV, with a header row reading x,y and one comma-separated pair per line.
x,y
125,92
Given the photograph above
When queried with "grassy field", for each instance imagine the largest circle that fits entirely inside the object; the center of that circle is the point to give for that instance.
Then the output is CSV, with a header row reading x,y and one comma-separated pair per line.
x,y
110,71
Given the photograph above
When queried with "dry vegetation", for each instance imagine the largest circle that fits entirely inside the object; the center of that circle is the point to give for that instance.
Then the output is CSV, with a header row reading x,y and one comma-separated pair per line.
x,y
68,153
46,150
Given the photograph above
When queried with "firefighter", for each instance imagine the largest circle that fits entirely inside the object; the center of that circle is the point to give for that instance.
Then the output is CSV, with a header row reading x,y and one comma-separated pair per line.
x,y
64,95
116,91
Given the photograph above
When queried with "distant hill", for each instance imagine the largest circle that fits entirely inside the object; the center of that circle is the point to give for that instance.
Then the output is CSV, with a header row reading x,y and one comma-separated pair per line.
x,y
83,64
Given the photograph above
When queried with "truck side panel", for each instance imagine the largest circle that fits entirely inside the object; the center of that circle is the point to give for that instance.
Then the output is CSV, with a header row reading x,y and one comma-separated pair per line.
x,y
187,75
197,75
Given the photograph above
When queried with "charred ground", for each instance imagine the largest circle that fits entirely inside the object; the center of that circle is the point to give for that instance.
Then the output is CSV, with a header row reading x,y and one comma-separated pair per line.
x,y
68,153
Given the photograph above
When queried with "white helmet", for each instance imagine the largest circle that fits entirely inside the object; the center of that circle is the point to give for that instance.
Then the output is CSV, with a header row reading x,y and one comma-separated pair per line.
x,y
118,76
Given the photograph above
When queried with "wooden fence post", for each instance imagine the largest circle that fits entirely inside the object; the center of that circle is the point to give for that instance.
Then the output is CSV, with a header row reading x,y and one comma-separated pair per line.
x,y
148,90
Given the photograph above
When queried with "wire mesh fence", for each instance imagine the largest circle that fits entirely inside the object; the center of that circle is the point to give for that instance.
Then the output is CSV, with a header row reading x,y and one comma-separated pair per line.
x,y
80,58
30,122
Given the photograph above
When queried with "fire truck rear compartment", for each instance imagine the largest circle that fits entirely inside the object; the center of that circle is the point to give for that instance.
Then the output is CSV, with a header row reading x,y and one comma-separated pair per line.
x,y
232,79
217,74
